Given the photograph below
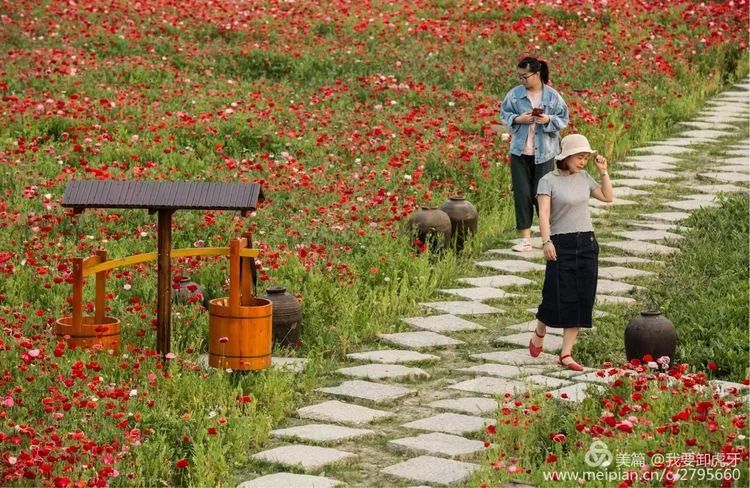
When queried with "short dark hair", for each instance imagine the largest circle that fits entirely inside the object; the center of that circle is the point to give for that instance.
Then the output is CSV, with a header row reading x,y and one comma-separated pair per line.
x,y
535,65
561,164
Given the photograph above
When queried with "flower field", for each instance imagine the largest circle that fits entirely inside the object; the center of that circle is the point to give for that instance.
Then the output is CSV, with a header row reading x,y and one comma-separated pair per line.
x,y
350,114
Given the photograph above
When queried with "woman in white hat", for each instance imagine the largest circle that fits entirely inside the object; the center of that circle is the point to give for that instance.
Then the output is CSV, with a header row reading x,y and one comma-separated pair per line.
x,y
569,244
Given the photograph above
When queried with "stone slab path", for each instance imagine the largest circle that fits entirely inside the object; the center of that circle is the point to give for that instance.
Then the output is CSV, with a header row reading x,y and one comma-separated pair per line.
x,y
411,410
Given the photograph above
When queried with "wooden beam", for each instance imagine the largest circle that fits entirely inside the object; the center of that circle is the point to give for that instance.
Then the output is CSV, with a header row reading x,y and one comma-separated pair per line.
x,y
164,290
100,303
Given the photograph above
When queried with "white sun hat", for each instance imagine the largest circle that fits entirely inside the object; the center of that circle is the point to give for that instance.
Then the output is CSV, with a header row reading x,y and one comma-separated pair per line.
x,y
573,144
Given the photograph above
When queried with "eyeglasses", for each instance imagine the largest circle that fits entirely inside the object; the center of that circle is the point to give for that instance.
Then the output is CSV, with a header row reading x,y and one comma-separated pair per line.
x,y
526,76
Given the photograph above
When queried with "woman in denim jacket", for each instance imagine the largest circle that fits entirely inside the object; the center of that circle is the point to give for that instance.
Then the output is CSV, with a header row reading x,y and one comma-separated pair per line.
x,y
534,114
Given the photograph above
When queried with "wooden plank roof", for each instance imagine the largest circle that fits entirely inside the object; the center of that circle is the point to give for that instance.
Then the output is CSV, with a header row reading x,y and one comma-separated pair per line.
x,y
161,195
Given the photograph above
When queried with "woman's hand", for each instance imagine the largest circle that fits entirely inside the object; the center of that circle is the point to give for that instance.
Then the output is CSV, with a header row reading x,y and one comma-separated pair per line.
x,y
549,251
601,164
525,119
542,119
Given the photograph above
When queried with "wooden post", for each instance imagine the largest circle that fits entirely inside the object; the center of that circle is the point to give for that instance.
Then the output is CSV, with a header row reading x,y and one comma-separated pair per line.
x,y
251,261
164,293
77,294
100,302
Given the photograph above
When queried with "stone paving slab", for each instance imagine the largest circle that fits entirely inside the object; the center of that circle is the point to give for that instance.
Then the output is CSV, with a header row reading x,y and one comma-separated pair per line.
x,y
599,211
430,469
675,141
620,272
704,133
439,444
477,293
641,247
626,191
708,125
664,149
648,235
497,281
575,393
499,370
533,254
625,259
367,390
647,174
451,423
657,225
636,182
515,356
738,152
290,480
393,356
341,412
609,287
648,165
424,339
740,161
511,266
731,168
705,197
598,376
469,405
321,433
381,371
691,205
668,216
289,364
552,343
547,381
721,119
613,299
726,188
442,323
618,202
462,308
307,457
726,177
654,158
488,385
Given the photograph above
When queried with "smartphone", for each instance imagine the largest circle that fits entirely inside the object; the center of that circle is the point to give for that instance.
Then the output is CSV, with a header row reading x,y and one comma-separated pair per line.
x,y
537,112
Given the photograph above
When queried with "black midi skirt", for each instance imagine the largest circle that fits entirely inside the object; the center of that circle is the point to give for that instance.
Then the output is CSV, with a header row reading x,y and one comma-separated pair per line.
x,y
570,281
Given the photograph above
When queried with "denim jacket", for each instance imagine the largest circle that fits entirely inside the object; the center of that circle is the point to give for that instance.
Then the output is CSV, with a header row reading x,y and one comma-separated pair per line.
x,y
547,140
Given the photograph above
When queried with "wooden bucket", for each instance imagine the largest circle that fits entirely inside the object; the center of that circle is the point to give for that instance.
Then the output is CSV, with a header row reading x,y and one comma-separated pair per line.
x,y
240,326
104,332
240,340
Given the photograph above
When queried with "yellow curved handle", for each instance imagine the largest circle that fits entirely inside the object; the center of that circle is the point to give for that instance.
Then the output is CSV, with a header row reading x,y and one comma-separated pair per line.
x,y
151,256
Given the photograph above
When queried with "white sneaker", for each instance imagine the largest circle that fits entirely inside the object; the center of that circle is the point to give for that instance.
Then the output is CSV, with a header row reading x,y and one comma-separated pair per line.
x,y
523,246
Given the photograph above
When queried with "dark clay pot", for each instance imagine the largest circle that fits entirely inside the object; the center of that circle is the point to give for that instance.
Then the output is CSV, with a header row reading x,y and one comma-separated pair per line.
x,y
650,333
287,316
463,216
432,226
189,289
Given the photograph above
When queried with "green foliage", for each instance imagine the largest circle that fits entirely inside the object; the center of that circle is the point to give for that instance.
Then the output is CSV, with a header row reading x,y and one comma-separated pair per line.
x,y
704,289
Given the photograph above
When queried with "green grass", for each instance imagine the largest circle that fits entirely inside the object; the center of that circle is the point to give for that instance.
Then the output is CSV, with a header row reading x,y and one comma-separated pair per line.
x,y
704,291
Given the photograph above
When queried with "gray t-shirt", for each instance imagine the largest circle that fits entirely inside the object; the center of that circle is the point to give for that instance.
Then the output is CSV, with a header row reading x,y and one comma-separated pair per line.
x,y
569,199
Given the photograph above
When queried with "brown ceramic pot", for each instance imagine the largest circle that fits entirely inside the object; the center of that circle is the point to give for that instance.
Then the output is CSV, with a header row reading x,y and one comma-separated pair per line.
x,y
650,333
287,316
464,218
432,226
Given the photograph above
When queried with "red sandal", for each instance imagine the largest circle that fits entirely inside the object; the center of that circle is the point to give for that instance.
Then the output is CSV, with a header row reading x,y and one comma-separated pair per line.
x,y
535,350
573,366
